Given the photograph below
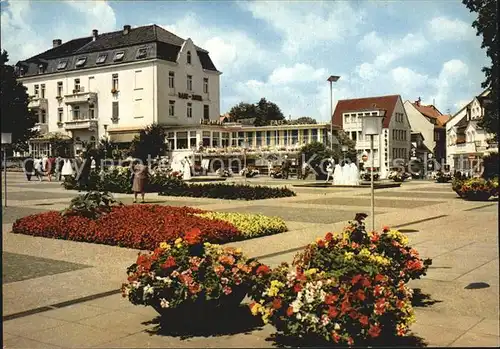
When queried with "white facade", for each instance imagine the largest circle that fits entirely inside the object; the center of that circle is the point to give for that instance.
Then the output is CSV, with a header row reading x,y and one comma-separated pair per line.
x,y
466,142
83,104
393,143
419,123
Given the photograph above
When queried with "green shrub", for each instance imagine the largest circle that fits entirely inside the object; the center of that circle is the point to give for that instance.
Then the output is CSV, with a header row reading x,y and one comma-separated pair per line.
x,y
228,191
250,225
91,205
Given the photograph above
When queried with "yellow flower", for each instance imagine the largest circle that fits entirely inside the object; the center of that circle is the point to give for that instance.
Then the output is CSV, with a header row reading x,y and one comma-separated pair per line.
x,y
311,271
178,241
237,251
255,309
364,253
348,256
164,245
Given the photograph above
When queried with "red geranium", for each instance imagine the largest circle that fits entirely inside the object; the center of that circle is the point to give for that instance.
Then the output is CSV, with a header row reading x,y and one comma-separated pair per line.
x,y
263,270
193,236
374,331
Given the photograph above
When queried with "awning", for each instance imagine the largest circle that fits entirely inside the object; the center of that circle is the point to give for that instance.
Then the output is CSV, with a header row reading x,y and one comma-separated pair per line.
x,y
122,137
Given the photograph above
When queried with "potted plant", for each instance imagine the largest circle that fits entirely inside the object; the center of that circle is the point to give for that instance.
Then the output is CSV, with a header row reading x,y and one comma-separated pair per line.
x,y
476,189
190,279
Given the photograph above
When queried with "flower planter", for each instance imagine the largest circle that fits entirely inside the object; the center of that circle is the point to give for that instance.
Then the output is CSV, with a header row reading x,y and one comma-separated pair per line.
x,y
477,196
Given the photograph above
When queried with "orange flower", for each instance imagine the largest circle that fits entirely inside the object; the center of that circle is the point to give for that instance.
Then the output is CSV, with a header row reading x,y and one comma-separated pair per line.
x,y
289,311
363,320
335,337
360,294
385,229
263,270
169,262
374,331
332,312
379,277
321,244
193,236
329,237
329,299
277,303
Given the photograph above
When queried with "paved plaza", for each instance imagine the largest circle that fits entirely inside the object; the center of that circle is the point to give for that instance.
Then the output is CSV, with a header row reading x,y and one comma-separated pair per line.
x,y
64,294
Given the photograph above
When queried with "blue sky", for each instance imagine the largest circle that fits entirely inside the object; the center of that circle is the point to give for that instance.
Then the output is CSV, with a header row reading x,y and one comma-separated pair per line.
x,y
285,51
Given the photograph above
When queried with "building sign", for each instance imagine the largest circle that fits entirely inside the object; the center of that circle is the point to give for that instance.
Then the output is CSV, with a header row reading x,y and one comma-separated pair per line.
x,y
188,96
211,122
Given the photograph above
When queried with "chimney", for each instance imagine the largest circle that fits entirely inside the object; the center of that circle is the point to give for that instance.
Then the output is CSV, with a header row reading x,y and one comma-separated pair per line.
x,y
417,102
126,29
95,33
56,42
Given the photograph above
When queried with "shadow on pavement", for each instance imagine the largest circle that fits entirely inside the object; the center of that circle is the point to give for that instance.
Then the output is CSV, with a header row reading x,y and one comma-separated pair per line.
x,y
421,299
282,341
233,321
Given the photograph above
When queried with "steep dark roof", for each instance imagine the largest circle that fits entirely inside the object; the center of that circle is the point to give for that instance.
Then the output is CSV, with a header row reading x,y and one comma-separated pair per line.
x,y
387,103
160,43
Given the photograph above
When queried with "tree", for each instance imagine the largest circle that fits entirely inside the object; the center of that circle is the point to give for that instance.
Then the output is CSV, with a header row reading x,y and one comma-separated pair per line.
x,y
302,121
486,25
59,144
149,142
16,117
263,111
344,139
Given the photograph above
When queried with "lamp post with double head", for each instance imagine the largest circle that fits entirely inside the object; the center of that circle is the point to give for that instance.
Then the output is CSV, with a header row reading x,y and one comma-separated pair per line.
x,y
372,126
331,80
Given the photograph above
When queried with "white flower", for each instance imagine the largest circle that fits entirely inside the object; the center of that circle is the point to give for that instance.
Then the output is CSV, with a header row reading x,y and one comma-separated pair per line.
x,y
164,303
224,281
136,284
148,289
322,295
314,318
296,305
336,327
299,316
325,320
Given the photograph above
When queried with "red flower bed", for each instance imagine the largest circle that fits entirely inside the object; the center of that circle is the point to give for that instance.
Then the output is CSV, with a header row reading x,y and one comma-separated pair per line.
x,y
135,226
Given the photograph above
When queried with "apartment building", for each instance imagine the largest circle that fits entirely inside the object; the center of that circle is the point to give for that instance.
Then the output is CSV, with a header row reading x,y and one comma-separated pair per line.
x,y
466,141
395,140
114,84
430,122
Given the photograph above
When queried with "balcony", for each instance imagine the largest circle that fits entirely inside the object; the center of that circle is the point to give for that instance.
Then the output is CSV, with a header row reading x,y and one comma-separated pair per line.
x,y
81,124
41,128
37,103
81,97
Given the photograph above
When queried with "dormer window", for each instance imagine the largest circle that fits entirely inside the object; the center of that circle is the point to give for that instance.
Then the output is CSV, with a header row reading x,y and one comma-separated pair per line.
x,y
81,62
62,64
101,58
41,69
189,57
119,56
141,53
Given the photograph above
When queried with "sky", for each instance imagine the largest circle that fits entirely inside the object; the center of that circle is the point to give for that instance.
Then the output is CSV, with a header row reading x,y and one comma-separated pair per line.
x,y
285,50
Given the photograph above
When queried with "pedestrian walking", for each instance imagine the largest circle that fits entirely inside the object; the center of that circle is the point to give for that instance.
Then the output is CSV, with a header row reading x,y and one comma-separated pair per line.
x,y
139,179
51,167
67,169
29,168
59,165
285,168
38,167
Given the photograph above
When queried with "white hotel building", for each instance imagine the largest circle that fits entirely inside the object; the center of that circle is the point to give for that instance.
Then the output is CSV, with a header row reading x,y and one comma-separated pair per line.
x,y
114,84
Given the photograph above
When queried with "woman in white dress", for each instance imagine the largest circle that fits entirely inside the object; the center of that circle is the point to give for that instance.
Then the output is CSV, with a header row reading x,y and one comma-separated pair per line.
x,y
67,169
186,169
337,175
354,174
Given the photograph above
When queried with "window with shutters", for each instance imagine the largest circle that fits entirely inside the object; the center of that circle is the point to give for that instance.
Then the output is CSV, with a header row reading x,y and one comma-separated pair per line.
x,y
171,108
171,79
60,112
189,111
115,112
59,88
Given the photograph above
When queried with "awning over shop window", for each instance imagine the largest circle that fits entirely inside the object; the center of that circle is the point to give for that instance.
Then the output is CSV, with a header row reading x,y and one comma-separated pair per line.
x,y
122,137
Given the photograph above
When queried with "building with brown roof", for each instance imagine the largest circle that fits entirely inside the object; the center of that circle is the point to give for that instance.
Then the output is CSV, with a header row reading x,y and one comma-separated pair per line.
x,y
392,144
430,122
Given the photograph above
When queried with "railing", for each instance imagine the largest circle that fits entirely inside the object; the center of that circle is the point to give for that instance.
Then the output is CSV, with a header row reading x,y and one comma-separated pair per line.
x,y
79,96
37,103
89,124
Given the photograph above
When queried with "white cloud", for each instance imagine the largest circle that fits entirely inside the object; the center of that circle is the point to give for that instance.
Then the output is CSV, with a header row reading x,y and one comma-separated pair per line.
x,y
389,50
22,40
406,79
299,73
307,25
451,77
230,50
442,28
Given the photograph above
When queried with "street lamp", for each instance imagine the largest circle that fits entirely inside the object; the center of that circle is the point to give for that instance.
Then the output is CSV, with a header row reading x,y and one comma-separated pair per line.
x,y
245,147
6,139
345,148
372,126
331,79
105,145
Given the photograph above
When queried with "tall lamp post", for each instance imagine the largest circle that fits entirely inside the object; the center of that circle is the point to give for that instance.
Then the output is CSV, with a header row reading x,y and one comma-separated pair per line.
x,y
331,79
372,126
6,139
106,145
245,147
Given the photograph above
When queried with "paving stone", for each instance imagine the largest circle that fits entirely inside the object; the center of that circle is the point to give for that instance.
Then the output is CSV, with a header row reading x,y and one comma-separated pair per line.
x,y
477,340
114,302
433,318
7,336
361,201
25,343
425,195
75,312
73,335
487,326
11,213
125,321
30,324
35,195
298,214
436,336
18,267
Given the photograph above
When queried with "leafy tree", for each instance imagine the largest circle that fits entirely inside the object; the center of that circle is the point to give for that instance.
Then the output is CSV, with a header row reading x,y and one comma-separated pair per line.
x,y
344,139
304,120
486,25
263,111
59,145
150,141
16,117
315,154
